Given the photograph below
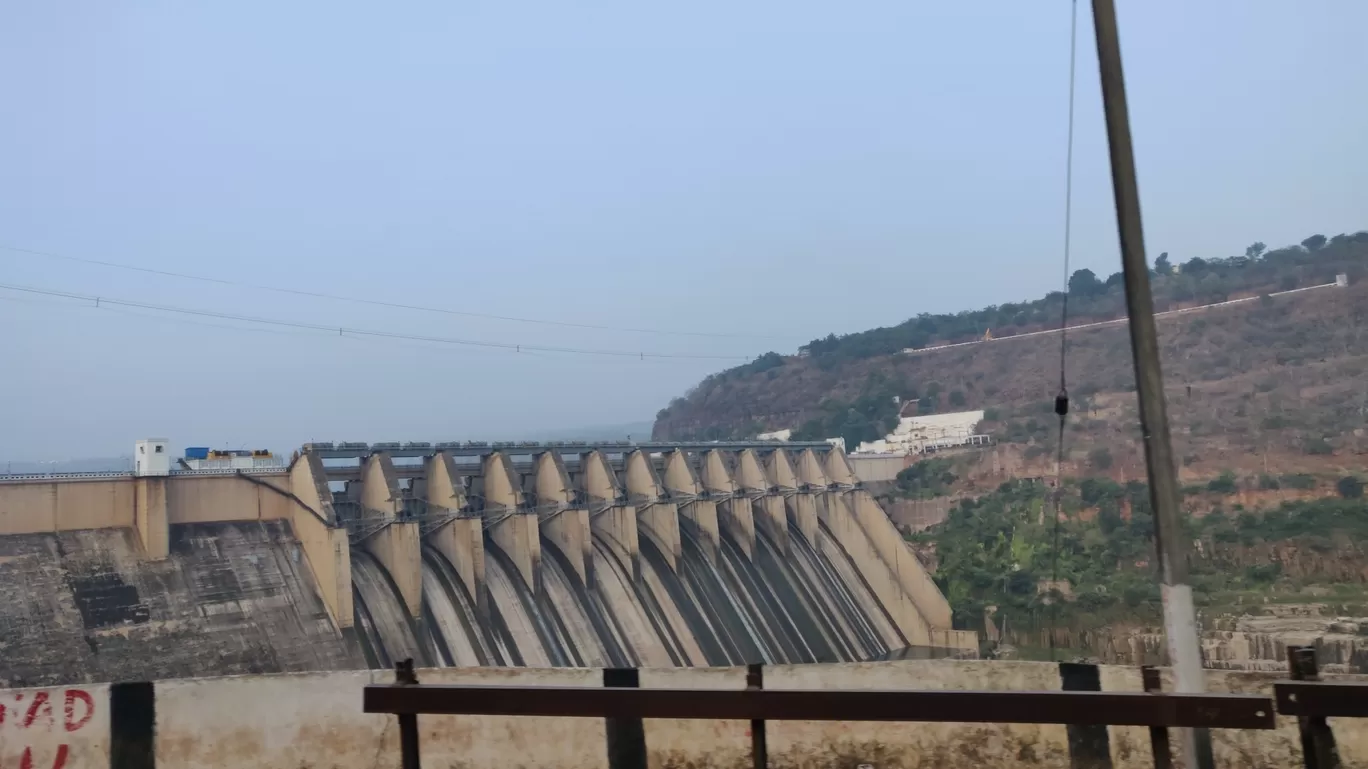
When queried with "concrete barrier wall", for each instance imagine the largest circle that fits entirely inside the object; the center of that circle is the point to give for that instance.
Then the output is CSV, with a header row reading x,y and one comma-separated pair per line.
x,y
315,720
39,507
876,468
73,504
55,728
213,499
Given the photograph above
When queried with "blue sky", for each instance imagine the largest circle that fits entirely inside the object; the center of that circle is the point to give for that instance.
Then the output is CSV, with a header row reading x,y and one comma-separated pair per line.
x,y
770,171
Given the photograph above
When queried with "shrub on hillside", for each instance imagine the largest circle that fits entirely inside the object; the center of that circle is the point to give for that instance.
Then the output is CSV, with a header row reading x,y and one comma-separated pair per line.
x,y
1349,487
1223,483
1100,458
1300,481
1318,447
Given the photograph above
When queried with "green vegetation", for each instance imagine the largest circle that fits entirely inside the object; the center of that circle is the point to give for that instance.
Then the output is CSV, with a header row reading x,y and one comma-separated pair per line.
x,y
1223,484
1203,281
926,479
868,417
1300,481
1349,487
997,549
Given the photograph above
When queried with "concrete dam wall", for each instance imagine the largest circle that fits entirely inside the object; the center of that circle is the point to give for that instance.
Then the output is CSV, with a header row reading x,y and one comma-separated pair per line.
x,y
230,598
527,555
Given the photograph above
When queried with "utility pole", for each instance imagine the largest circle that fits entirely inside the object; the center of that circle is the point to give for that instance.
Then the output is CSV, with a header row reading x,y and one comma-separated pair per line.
x,y
1180,617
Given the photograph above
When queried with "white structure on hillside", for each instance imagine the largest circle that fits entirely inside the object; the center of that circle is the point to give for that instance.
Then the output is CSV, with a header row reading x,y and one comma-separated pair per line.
x,y
928,434
777,435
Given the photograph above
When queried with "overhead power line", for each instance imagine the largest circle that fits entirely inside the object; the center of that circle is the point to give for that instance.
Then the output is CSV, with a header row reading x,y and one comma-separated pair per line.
x,y
378,302
360,332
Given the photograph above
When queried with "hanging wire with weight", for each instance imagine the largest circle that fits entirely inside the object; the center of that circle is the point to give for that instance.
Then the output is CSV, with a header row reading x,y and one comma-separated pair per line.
x,y
1062,398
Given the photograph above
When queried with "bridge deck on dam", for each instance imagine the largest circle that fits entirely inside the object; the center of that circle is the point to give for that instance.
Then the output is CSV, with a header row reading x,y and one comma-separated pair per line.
x,y
534,556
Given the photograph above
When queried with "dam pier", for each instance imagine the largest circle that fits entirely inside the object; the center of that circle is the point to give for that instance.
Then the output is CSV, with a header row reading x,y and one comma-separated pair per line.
x,y
460,555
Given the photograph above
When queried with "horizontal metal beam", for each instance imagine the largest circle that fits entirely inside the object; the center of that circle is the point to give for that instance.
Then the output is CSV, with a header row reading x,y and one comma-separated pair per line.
x,y
1322,698
611,447
1219,711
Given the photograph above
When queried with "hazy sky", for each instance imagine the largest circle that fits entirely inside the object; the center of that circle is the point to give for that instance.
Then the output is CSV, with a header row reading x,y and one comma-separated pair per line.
x,y
758,169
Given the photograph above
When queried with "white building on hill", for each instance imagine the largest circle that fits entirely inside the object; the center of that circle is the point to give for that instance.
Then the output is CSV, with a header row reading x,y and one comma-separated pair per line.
x,y
928,434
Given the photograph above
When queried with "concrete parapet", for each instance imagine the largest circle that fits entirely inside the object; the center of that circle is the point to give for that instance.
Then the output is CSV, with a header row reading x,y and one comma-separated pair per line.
x,y
460,539
219,498
38,506
325,546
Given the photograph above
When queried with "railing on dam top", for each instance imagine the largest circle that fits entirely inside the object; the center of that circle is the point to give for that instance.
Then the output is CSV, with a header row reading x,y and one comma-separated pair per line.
x,y
517,448
623,705
175,472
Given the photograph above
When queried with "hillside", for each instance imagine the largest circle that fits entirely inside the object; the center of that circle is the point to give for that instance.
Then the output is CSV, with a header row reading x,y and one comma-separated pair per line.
x,y
1270,385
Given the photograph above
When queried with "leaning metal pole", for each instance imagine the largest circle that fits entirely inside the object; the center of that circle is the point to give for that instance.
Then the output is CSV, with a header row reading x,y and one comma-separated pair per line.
x,y
1180,618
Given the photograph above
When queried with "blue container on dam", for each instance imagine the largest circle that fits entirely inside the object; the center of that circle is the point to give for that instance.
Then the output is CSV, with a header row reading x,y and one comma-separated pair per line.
x,y
197,452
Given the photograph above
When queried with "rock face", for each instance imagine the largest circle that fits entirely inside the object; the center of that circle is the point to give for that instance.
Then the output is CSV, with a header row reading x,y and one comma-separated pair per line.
x,y
232,598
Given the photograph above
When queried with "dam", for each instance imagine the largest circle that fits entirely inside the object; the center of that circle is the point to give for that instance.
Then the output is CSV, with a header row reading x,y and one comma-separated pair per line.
x,y
460,555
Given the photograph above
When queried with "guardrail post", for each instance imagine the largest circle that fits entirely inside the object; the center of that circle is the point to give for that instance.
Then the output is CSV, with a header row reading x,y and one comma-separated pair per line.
x,y
755,681
132,726
1089,745
1317,741
626,736
1159,737
408,722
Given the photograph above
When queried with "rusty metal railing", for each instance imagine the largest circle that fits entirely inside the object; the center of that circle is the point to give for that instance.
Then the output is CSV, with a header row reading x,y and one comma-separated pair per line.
x,y
624,708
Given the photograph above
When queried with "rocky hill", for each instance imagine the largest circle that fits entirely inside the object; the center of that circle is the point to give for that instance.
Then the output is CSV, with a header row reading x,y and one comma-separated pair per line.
x,y
1273,385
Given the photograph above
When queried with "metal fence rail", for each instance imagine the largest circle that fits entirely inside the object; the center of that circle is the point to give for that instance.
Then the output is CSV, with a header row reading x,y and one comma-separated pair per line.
x,y
624,708
1216,711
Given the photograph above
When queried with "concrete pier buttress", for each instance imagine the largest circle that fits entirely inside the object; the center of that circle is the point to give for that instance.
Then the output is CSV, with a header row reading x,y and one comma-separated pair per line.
x,y
149,517
883,582
889,544
660,518
811,482
610,514
512,528
563,524
325,545
766,509
461,539
783,499
682,483
380,485
734,510
398,546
